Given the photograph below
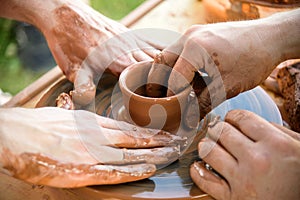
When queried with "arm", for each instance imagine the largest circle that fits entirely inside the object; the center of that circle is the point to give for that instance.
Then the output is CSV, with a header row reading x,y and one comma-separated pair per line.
x,y
288,28
237,56
83,42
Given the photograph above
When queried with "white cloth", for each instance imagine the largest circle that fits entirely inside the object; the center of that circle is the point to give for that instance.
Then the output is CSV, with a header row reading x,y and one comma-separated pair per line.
x,y
4,97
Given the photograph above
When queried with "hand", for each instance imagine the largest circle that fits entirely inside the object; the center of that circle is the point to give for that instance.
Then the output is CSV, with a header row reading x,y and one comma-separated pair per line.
x,y
254,159
63,148
85,44
236,56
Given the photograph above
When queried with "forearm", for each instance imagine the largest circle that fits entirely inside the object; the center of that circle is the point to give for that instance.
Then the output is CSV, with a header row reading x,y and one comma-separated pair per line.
x,y
34,12
270,40
46,14
280,35
288,25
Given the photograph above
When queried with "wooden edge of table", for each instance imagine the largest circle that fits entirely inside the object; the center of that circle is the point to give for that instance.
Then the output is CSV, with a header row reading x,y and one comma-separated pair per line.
x,y
34,88
139,12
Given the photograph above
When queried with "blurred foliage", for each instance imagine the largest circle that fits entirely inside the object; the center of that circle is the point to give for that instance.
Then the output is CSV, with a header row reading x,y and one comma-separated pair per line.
x,y
115,9
13,75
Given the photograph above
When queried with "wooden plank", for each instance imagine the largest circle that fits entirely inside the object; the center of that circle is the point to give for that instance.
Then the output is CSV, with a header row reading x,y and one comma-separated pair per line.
x,y
175,15
14,189
139,12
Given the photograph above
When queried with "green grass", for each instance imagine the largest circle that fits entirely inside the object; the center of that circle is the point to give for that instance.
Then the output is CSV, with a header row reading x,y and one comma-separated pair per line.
x,y
115,9
13,75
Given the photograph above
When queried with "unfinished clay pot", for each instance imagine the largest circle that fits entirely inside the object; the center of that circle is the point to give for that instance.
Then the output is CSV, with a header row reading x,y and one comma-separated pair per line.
x,y
164,113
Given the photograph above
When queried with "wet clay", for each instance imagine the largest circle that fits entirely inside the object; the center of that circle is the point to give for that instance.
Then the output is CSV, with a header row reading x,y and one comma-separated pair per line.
x,y
36,168
144,91
66,30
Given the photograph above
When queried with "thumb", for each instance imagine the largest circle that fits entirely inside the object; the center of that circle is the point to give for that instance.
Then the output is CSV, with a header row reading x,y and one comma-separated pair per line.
x,y
181,76
160,69
157,77
198,102
212,96
208,94
192,59
84,87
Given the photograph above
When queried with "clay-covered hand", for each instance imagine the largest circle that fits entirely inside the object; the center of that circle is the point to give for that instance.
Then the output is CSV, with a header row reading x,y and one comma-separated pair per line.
x,y
232,57
86,43
254,159
64,148
80,40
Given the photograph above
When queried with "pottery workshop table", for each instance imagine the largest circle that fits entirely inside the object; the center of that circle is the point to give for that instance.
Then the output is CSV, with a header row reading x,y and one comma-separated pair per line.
x,y
176,15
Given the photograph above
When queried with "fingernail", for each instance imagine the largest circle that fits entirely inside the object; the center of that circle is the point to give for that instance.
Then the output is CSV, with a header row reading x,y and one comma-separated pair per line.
x,y
199,168
205,146
214,121
204,173
214,130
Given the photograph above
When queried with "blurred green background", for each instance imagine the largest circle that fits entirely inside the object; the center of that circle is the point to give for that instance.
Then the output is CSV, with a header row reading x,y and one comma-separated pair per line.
x,y
14,74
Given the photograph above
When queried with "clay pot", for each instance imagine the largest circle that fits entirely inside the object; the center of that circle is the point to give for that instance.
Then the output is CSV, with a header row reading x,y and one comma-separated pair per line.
x,y
164,113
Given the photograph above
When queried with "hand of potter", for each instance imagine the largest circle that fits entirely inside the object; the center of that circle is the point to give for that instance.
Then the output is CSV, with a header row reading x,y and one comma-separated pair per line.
x,y
256,159
63,148
232,57
83,42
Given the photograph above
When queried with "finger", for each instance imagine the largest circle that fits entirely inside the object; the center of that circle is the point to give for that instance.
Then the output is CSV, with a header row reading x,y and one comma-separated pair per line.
x,y
157,77
159,72
156,43
141,56
113,174
250,124
191,117
190,61
291,133
181,76
38,169
122,61
64,101
84,87
171,54
140,138
116,156
106,131
230,138
217,157
193,112
157,156
211,96
151,52
208,182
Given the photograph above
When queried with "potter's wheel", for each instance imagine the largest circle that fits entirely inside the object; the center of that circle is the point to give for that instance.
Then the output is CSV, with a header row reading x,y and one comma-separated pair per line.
x,y
173,181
